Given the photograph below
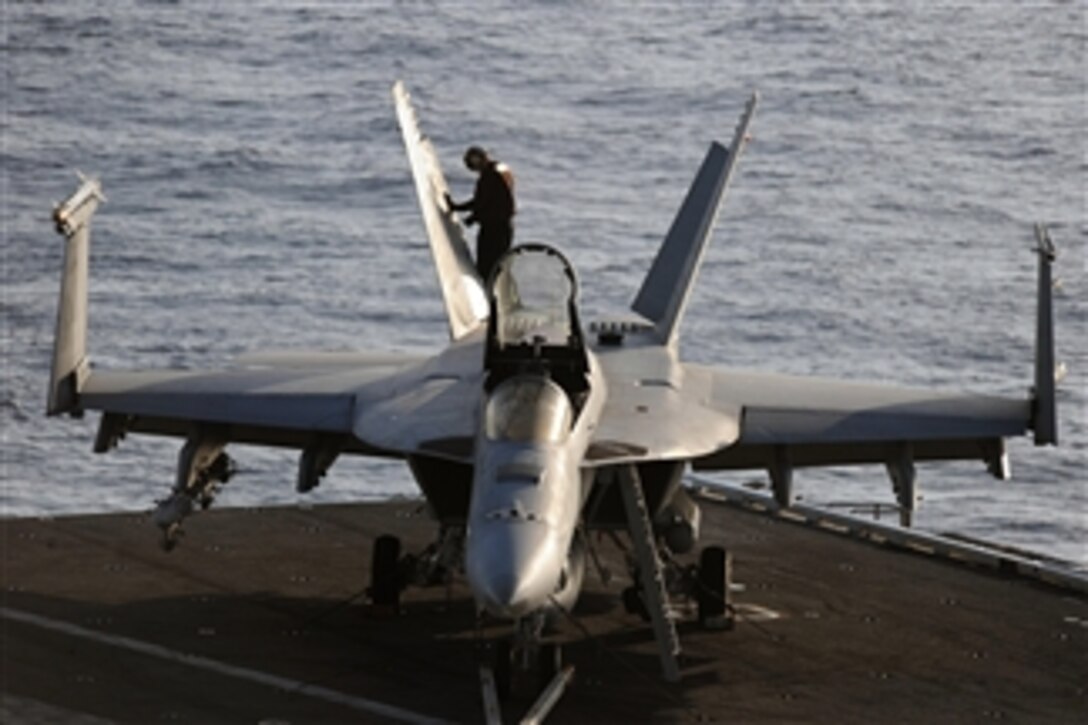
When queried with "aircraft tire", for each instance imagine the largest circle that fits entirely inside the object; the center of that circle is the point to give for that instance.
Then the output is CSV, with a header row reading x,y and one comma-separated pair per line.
x,y
634,604
385,572
711,594
549,660
501,668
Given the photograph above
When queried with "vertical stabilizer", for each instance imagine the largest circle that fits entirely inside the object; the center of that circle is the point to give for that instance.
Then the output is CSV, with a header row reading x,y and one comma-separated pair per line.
x,y
665,292
462,290
73,219
1045,423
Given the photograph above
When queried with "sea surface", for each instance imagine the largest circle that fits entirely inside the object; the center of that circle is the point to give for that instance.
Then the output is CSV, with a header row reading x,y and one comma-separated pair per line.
x,y
880,226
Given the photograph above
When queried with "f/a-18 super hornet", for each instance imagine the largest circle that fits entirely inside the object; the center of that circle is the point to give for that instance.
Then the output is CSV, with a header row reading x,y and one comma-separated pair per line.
x,y
530,430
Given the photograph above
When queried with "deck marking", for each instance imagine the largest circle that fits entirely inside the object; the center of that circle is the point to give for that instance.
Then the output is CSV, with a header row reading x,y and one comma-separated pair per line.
x,y
757,613
203,663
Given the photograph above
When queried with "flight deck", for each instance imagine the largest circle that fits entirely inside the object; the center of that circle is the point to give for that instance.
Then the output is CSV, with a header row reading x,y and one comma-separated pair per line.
x,y
260,615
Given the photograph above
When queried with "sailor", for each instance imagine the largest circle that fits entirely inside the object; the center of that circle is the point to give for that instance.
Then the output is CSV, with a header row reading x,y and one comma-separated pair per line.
x,y
491,206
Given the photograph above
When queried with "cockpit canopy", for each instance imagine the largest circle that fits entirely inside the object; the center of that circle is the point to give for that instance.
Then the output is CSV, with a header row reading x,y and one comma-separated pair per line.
x,y
529,409
534,327
533,295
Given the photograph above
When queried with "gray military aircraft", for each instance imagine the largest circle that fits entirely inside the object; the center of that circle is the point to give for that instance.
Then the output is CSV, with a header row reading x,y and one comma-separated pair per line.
x,y
529,430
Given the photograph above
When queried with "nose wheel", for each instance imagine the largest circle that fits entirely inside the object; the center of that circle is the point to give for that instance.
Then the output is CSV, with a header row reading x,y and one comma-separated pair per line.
x,y
502,666
549,661
543,661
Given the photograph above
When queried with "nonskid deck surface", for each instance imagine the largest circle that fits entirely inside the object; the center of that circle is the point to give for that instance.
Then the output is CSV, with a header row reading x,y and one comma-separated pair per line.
x,y
259,615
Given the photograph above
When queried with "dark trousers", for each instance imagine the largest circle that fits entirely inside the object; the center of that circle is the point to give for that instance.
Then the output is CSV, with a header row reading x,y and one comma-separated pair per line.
x,y
492,242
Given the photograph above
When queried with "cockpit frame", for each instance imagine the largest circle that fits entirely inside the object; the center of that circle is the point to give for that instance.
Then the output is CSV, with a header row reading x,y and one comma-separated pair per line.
x,y
561,357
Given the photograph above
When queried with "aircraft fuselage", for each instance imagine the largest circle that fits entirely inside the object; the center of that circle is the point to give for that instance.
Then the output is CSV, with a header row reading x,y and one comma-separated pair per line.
x,y
527,495
541,404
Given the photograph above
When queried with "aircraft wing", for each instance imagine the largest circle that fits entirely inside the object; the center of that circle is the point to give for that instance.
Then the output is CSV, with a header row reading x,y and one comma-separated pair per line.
x,y
288,403
383,404
387,405
823,422
731,419
790,421
651,414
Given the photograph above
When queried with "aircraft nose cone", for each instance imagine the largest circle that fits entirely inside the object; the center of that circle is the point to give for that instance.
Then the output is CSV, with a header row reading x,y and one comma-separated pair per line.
x,y
513,567
505,593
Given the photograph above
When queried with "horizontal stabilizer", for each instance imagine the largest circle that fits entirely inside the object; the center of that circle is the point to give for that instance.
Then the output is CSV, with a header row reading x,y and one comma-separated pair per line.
x,y
462,289
665,292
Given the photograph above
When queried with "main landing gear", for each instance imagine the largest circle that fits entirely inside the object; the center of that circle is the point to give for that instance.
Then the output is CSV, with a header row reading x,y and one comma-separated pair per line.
x,y
522,662
705,584
391,572
713,581
656,577
385,579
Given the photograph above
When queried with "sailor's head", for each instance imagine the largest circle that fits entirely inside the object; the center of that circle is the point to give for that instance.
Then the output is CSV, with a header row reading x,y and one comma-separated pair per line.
x,y
476,158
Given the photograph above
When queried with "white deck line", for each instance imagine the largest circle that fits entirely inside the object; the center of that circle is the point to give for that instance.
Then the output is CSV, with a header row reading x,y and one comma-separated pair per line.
x,y
221,668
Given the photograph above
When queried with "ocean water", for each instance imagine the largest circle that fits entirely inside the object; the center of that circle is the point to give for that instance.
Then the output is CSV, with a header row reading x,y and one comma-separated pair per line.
x,y
880,226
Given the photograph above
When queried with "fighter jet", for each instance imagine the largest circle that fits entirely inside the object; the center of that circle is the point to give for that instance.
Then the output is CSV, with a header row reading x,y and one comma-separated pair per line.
x,y
529,431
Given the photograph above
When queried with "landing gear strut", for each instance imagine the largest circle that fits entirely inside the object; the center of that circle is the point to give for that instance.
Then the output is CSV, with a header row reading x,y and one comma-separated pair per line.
x,y
524,652
436,564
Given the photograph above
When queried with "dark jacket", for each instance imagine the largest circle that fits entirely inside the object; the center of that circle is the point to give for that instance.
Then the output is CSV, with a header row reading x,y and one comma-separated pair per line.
x,y
492,204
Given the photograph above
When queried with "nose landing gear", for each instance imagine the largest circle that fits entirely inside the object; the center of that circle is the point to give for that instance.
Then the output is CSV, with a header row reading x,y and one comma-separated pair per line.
x,y
524,660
